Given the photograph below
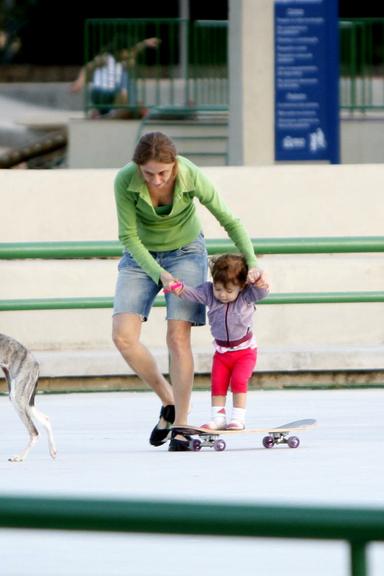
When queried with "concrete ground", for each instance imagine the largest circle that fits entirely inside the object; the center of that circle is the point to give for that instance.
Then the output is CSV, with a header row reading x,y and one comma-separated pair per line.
x,y
103,450
22,123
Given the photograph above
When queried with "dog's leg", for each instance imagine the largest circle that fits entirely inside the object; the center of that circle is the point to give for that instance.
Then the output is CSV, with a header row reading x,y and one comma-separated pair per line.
x,y
45,422
42,418
22,392
21,409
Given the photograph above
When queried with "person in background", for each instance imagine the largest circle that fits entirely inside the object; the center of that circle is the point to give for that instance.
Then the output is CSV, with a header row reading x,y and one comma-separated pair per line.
x,y
163,242
230,301
109,78
10,45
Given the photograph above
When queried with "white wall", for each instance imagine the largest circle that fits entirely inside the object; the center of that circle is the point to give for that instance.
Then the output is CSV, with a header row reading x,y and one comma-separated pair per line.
x,y
274,201
110,143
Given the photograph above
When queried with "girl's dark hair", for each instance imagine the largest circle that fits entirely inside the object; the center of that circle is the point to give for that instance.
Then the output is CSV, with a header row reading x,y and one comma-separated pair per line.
x,y
154,146
229,268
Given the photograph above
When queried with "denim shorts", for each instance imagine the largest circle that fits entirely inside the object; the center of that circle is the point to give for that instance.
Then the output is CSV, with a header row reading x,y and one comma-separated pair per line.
x,y
136,291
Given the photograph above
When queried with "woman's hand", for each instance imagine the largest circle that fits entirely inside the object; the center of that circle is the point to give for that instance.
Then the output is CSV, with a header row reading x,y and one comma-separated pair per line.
x,y
174,288
257,277
166,278
170,283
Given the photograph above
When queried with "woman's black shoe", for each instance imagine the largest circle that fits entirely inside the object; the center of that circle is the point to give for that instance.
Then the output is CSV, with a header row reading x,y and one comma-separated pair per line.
x,y
178,444
161,431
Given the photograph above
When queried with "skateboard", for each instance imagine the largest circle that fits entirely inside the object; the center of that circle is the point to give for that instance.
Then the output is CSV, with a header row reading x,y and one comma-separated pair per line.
x,y
274,436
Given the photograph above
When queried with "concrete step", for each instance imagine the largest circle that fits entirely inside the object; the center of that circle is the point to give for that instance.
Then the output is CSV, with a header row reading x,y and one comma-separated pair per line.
x,y
191,128
205,158
201,144
204,141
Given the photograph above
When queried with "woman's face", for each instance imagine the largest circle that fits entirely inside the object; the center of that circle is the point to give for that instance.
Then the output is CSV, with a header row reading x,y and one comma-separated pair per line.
x,y
157,174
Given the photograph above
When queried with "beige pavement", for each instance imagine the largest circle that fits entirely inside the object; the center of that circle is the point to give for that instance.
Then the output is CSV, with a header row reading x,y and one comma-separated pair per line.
x,y
103,450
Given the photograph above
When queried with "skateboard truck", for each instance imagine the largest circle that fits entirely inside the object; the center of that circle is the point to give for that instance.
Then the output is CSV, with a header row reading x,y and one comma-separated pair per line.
x,y
273,438
208,441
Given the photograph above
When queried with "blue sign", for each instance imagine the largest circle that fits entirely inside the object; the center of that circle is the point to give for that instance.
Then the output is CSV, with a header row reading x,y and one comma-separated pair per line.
x,y
307,80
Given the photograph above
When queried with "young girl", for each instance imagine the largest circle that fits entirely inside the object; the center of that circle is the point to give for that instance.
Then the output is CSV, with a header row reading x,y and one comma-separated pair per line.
x,y
231,304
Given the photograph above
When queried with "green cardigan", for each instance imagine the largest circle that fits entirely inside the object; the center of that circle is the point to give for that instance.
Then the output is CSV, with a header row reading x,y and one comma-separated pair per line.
x,y
142,229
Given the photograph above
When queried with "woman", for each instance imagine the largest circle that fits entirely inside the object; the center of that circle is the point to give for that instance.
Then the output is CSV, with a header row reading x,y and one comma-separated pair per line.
x,y
163,241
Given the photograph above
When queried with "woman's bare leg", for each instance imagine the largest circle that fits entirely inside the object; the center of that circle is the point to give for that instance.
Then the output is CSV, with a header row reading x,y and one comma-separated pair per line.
x,y
126,337
181,367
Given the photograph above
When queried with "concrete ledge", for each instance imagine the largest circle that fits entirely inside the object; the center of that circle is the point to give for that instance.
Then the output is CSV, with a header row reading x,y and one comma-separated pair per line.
x,y
304,201
289,360
260,381
106,363
90,363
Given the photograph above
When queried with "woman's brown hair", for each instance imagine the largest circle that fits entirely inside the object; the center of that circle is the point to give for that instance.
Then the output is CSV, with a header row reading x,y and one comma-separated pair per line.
x,y
229,268
154,146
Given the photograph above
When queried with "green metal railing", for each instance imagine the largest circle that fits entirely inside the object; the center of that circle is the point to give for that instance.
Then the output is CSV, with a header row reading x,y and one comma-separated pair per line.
x,y
189,69
362,64
209,68
356,526
107,301
111,249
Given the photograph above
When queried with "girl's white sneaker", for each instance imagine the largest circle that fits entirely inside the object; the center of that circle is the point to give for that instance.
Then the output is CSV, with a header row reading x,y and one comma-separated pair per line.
x,y
218,423
236,425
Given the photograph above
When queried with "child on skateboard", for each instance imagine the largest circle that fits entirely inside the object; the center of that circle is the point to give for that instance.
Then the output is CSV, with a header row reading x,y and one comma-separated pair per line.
x,y
231,304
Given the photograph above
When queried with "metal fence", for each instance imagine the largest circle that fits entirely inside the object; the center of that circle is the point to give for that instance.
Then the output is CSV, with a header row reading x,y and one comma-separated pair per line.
x,y
322,245
362,64
357,526
189,68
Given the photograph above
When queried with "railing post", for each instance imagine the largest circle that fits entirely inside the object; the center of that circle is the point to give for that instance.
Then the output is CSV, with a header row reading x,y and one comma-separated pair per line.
x,y
358,559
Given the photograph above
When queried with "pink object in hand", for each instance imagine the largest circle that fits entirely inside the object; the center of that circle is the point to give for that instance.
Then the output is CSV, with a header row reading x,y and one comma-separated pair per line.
x,y
173,286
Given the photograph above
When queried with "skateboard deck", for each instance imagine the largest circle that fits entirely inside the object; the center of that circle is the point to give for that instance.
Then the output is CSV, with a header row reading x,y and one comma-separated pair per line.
x,y
274,435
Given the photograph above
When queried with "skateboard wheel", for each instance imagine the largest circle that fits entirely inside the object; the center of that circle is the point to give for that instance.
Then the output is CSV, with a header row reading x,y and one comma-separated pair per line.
x,y
219,445
196,445
293,442
268,442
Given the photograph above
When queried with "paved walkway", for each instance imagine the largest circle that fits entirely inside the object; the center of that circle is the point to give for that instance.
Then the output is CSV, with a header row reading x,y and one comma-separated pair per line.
x,y
13,112
103,450
22,122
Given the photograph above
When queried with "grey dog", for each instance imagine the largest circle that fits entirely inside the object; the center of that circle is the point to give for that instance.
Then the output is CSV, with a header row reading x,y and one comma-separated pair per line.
x,y
21,371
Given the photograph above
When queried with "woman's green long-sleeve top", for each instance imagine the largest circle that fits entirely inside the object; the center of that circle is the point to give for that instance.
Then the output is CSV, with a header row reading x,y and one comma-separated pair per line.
x,y
143,228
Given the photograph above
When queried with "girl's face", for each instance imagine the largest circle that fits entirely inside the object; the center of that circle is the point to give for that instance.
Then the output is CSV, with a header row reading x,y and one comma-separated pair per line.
x,y
227,293
156,174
